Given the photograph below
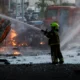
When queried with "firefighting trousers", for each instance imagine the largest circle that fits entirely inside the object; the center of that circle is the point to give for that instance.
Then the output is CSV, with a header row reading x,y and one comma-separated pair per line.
x,y
56,52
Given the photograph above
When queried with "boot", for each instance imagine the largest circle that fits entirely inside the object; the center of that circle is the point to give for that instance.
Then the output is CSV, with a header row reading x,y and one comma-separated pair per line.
x,y
61,61
54,61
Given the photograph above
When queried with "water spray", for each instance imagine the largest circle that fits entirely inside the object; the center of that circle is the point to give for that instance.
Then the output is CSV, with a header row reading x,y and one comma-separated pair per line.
x,y
71,34
15,20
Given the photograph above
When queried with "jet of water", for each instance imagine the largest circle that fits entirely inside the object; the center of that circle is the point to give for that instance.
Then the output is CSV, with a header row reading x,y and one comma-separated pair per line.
x,y
71,34
15,20
68,37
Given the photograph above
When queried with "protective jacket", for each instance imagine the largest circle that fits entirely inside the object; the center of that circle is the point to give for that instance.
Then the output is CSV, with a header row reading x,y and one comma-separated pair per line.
x,y
53,37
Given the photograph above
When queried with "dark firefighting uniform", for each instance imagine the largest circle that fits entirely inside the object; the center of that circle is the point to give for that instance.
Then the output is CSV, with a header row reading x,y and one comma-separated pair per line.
x,y
54,44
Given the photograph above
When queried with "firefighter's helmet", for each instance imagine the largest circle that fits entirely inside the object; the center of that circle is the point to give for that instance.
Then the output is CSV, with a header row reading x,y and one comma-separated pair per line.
x,y
55,25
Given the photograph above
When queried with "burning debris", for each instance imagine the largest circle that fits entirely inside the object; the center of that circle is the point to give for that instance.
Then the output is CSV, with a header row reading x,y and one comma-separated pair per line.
x,y
42,43
25,39
14,39
10,51
12,35
22,38
16,53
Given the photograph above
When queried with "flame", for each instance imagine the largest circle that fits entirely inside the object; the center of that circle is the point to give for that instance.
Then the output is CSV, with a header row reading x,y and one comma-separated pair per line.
x,y
13,34
23,44
42,43
16,53
14,44
11,39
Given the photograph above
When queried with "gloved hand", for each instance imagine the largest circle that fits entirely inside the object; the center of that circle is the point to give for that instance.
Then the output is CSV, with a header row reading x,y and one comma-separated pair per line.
x,y
44,32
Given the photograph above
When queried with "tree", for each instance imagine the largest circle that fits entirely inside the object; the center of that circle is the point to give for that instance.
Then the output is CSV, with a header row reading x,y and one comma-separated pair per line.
x,y
54,1
42,5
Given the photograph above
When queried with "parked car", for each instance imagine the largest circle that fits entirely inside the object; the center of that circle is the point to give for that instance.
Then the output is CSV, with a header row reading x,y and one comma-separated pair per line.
x,y
39,22
21,19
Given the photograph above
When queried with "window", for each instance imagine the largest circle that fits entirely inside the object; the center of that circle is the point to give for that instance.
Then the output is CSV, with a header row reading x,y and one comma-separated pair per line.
x,y
63,16
52,13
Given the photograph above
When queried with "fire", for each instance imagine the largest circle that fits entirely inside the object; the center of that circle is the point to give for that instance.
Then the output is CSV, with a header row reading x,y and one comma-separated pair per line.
x,y
23,44
12,39
42,43
13,34
14,44
16,53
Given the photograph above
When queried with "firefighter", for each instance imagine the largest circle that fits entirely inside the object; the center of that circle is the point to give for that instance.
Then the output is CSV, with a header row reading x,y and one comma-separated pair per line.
x,y
54,43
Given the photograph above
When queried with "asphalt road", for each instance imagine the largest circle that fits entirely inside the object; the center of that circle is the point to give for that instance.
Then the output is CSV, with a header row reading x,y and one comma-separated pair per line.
x,y
40,72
